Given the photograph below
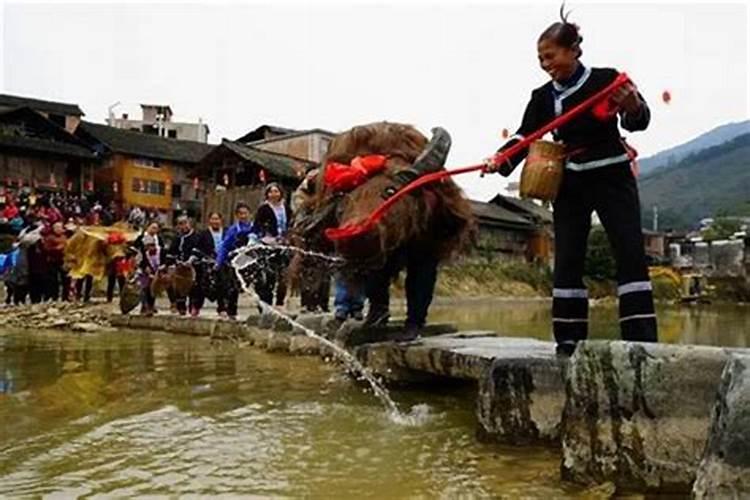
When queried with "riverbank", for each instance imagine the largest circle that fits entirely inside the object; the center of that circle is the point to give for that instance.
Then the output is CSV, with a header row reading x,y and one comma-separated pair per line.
x,y
514,279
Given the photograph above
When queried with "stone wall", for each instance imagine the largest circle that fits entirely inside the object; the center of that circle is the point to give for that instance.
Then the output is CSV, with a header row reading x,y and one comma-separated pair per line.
x,y
724,471
638,415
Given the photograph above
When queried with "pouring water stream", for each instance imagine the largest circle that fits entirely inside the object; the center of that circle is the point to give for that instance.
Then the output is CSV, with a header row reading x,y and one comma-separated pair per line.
x,y
243,261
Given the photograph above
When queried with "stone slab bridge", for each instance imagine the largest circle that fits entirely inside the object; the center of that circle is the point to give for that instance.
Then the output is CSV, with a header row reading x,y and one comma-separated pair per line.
x,y
649,418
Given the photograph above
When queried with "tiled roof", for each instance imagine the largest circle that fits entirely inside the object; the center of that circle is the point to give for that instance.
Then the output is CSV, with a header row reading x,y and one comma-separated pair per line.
x,y
140,144
61,108
493,215
276,163
24,129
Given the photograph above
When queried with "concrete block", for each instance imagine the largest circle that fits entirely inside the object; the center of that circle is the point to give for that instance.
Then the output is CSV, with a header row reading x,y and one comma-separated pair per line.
x,y
303,345
637,415
724,471
278,341
522,394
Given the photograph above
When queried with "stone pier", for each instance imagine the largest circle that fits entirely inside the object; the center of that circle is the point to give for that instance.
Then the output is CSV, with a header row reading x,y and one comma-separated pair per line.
x,y
724,471
520,380
645,417
638,415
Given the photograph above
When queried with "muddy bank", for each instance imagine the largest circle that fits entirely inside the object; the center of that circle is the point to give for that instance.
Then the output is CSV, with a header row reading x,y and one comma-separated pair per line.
x,y
69,316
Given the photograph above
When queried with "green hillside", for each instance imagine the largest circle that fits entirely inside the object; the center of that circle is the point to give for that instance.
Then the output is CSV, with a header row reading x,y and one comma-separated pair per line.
x,y
714,181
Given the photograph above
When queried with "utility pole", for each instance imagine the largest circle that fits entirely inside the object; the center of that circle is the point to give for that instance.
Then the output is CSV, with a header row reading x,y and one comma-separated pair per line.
x,y
656,218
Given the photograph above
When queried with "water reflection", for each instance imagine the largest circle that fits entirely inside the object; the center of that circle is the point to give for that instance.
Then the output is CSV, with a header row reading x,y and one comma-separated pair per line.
x,y
719,324
131,414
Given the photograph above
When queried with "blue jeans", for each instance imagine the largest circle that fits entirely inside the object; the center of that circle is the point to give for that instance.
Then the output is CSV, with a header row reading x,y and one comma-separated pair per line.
x,y
349,299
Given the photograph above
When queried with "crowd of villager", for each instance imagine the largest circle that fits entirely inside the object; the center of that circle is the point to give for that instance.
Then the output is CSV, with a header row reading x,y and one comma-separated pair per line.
x,y
61,247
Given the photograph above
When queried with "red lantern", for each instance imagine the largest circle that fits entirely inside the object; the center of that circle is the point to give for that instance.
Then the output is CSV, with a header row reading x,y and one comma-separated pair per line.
x,y
505,133
89,185
666,96
262,176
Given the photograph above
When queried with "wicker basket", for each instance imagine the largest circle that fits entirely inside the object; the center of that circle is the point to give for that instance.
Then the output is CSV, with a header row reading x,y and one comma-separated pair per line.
x,y
542,173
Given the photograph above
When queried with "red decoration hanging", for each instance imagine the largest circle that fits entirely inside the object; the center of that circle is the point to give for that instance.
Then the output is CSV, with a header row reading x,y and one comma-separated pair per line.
x,y
342,177
89,185
226,179
70,186
666,96
196,183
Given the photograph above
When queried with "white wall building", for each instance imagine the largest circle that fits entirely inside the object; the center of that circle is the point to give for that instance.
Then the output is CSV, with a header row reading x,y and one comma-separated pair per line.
x,y
157,120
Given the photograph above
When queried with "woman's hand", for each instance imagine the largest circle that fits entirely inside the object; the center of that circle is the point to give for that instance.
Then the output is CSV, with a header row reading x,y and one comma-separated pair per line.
x,y
627,98
490,166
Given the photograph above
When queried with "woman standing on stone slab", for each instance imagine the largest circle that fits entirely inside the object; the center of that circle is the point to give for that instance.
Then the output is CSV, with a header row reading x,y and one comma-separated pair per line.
x,y
597,177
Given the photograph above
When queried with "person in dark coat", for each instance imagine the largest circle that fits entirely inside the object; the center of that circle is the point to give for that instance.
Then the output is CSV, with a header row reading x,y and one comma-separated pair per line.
x,y
215,231
597,177
270,225
189,248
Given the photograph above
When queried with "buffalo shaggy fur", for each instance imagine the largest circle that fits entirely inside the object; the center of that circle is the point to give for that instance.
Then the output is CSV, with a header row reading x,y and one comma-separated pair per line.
x,y
437,214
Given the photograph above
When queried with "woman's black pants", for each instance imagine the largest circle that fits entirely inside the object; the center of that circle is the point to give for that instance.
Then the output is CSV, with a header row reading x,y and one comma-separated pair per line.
x,y
610,191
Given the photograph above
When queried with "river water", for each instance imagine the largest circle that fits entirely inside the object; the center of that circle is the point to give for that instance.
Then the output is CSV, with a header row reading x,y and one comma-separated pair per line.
x,y
133,413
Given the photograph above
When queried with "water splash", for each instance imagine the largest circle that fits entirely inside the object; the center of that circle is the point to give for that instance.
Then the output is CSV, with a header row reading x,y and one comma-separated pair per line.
x,y
250,256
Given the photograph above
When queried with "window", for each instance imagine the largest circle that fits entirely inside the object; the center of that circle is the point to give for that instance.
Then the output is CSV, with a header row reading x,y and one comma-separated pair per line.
x,y
172,134
146,186
324,143
145,163
176,190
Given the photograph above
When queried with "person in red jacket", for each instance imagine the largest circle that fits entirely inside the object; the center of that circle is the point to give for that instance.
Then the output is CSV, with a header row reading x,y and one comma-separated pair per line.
x,y
53,245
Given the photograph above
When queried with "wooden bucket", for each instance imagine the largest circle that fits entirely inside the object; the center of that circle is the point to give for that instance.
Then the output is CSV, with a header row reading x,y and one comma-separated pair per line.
x,y
542,173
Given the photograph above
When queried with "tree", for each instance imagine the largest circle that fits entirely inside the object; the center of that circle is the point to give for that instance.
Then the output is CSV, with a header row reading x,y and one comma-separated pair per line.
x,y
600,263
721,229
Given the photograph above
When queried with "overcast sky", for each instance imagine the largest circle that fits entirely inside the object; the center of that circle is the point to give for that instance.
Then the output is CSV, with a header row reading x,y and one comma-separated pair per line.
x,y
469,67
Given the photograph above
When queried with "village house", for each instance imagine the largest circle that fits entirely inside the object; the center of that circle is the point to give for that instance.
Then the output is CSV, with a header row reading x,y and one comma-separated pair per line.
x,y
310,145
156,120
501,233
145,170
36,152
540,241
66,116
236,172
